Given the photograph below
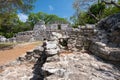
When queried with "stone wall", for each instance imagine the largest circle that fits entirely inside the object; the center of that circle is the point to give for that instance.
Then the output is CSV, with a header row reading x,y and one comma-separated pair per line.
x,y
42,31
109,29
106,43
100,49
23,36
80,38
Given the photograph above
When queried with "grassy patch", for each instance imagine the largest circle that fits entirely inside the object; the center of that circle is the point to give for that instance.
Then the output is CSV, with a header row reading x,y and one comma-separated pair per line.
x,y
6,46
38,42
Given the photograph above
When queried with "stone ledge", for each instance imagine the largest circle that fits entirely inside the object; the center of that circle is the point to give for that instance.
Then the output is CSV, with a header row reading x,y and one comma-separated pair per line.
x,y
103,51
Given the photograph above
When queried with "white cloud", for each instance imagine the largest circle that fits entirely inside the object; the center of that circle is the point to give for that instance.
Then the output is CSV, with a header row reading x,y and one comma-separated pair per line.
x,y
22,17
51,8
65,16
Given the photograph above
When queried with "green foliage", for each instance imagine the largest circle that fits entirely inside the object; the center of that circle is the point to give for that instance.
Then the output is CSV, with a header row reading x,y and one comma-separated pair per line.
x,y
9,21
10,24
16,5
33,18
111,10
99,10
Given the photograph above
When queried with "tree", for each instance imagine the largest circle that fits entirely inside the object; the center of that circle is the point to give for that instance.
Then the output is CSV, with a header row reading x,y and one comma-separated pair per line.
x,y
9,21
112,2
16,5
94,11
7,24
10,24
80,6
33,18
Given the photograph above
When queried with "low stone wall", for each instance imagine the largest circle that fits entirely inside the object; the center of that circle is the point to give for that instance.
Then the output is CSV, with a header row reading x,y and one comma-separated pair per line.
x,y
103,51
40,35
80,38
23,36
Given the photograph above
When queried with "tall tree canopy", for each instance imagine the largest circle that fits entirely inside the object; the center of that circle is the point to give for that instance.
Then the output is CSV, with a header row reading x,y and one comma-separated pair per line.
x,y
9,21
13,5
33,18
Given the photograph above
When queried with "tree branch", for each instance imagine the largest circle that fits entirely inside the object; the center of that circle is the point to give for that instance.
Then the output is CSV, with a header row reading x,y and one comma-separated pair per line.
x,y
92,15
111,2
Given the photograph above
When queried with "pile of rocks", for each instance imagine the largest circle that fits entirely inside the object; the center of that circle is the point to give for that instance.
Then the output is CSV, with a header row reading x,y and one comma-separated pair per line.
x,y
50,48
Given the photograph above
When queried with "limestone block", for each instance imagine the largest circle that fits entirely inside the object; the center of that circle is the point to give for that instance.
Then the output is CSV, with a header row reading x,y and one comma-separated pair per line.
x,y
99,44
115,55
53,51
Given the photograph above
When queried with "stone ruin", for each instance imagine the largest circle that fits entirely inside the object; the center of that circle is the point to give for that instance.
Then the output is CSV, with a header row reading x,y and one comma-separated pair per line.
x,y
23,36
51,64
39,32
19,37
101,39
42,31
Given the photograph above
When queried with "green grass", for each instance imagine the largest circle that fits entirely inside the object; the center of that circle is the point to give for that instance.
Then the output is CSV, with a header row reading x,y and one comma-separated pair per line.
x,y
6,45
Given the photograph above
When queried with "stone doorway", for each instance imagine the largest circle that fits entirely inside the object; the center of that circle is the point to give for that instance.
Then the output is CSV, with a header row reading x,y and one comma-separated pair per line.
x,y
59,26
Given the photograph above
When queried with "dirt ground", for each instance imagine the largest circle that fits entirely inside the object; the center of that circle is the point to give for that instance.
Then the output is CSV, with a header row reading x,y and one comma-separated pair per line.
x,y
11,54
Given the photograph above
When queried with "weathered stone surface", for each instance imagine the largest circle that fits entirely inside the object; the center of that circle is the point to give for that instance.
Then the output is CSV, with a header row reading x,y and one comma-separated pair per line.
x,y
101,50
22,36
42,31
107,39
78,66
17,72
110,27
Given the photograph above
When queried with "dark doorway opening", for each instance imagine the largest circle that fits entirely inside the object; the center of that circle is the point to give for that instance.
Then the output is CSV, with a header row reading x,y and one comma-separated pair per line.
x,y
59,27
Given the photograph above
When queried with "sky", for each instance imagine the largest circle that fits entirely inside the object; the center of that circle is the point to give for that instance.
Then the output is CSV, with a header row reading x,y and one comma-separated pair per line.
x,y
61,8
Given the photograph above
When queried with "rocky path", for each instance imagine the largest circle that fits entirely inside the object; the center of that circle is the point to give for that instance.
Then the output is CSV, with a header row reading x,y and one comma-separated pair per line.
x,y
10,55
